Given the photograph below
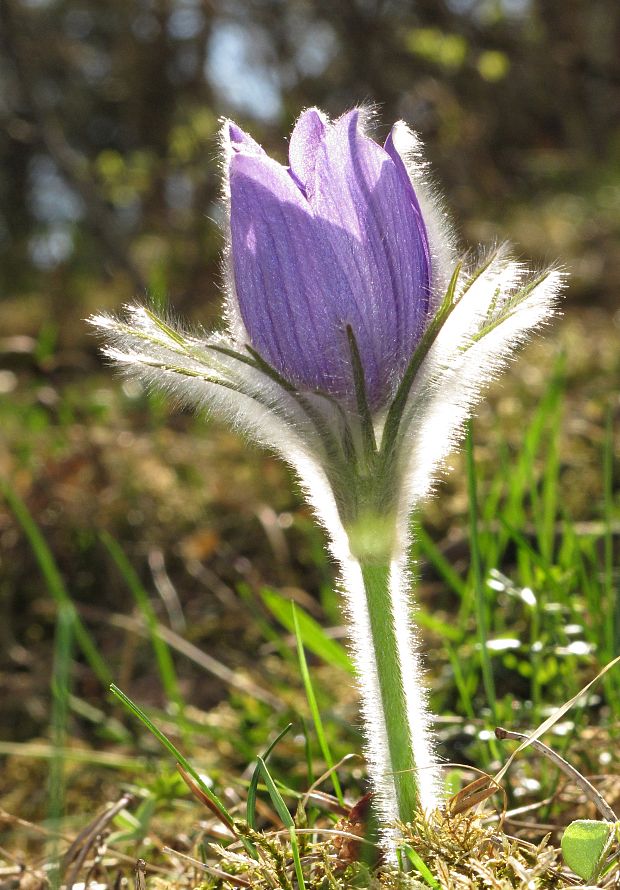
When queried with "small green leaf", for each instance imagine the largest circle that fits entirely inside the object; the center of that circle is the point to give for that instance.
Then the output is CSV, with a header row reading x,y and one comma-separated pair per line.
x,y
314,708
584,845
133,708
287,819
422,868
274,794
251,802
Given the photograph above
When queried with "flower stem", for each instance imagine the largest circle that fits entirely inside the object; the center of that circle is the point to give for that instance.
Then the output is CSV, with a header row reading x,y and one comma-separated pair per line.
x,y
402,761
399,740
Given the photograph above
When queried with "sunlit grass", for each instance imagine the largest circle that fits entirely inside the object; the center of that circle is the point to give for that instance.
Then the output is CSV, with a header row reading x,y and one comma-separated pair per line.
x,y
522,571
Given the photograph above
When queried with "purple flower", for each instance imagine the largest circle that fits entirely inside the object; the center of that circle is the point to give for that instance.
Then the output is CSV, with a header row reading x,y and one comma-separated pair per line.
x,y
335,239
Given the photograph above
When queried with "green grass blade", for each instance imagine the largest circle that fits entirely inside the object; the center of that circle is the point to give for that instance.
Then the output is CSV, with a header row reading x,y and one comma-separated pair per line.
x,y
611,591
314,708
528,557
107,759
431,551
422,868
476,570
548,511
313,636
307,752
61,688
426,619
163,656
266,629
524,545
276,798
522,473
253,787
461,683
105,727
178,757
54,582
287,820
492,506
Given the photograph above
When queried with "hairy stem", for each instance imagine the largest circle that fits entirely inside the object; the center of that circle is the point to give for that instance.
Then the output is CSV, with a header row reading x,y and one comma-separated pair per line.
x,y
399,747
391,690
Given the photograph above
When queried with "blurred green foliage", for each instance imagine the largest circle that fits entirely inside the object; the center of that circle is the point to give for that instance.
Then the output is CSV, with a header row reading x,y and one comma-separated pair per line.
x,y
109,180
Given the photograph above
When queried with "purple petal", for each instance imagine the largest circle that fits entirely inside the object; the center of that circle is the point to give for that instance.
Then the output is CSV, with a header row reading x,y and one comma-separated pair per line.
x,y
286,275
240,141
380,242
391,149
305,141
336,240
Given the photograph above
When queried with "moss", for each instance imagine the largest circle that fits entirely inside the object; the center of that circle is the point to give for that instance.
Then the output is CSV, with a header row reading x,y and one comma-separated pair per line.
x,y
460,852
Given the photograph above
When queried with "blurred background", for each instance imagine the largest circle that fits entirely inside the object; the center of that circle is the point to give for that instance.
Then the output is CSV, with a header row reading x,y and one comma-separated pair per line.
x,y
109,190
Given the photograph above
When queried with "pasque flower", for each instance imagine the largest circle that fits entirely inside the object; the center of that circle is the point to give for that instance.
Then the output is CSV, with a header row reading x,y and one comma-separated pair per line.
x,y
356,346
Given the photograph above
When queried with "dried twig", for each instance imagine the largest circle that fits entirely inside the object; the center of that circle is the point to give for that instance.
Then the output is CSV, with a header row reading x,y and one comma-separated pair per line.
x,y
236,880
180,644
81,846
586,786
166,589
139,874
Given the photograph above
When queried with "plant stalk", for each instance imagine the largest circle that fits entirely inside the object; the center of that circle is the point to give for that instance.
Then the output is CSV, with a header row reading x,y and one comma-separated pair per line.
x,y
391,690
400,756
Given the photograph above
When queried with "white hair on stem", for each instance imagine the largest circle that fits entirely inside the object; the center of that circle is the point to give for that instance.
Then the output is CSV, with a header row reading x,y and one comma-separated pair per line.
x,y
192,372
416,696
361,647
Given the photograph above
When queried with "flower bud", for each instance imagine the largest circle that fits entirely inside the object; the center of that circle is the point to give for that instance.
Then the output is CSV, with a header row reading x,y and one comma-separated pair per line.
x,y
335,239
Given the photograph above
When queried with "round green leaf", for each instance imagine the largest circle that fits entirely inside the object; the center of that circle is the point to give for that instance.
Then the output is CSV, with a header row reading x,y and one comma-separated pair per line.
x,y
584,845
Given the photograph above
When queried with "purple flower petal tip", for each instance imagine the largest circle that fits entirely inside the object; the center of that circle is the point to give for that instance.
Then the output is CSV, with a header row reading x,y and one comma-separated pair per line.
x,y
304,145
235,133
336,240
239,140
